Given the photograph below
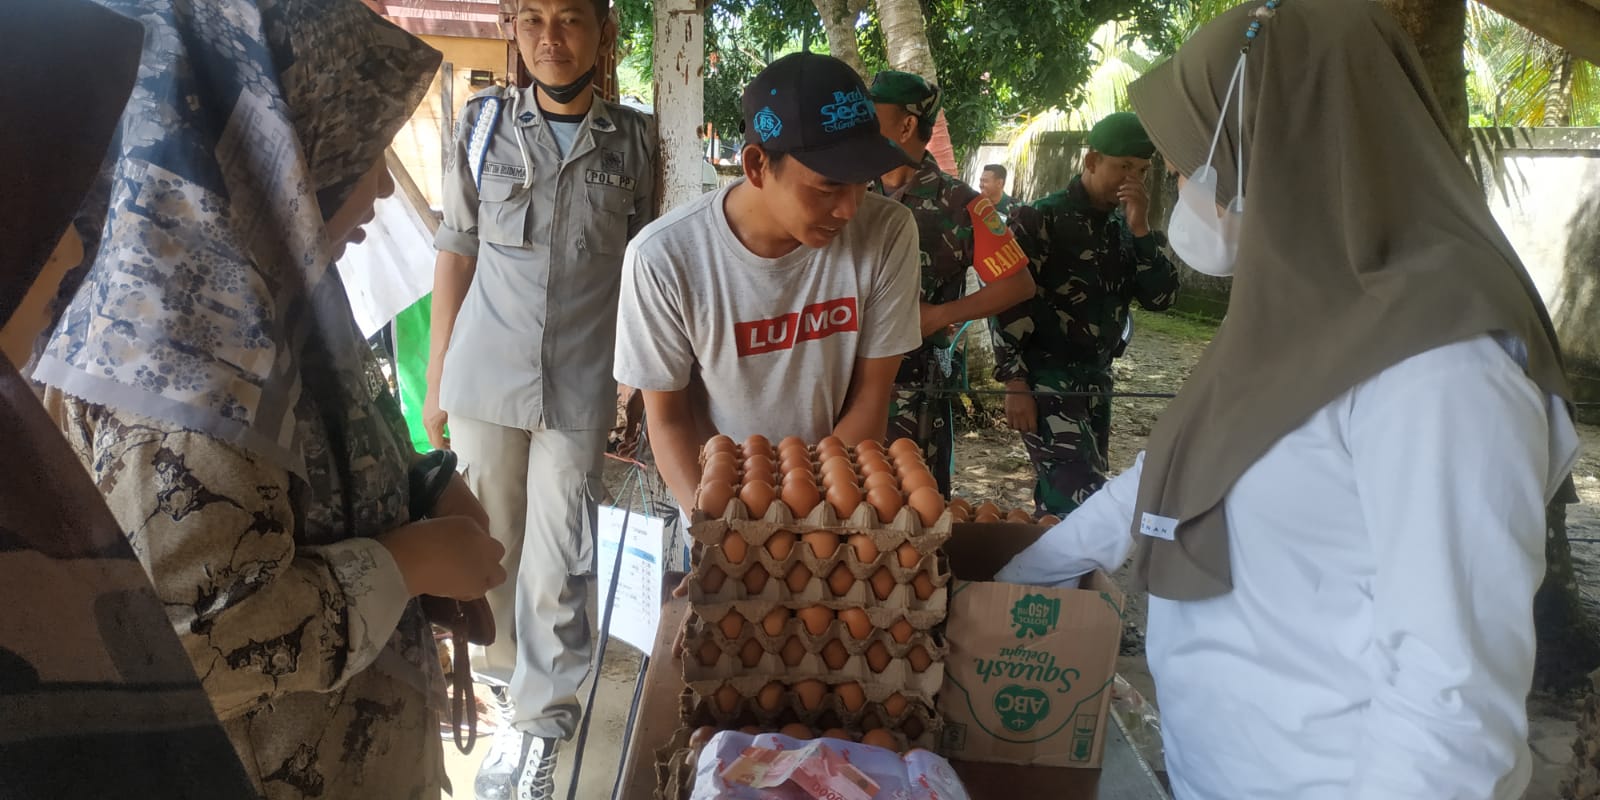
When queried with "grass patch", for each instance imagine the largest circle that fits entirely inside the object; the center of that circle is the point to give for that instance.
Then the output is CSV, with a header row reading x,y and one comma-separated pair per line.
x,y
1174,324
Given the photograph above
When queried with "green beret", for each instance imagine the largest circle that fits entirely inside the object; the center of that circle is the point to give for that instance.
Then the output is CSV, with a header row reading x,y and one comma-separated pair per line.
x,y
905,89
1121,135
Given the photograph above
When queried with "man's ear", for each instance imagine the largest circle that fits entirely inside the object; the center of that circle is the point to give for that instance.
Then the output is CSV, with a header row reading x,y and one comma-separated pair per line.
x,y
608,32
754,161
1091,161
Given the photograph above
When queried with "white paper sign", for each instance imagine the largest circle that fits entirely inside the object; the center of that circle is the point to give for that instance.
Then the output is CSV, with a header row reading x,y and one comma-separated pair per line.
x,y
638,603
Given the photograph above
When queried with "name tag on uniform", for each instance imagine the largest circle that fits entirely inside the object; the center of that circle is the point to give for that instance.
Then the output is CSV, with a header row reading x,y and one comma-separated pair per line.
x,y
513,172
609,179
1158,526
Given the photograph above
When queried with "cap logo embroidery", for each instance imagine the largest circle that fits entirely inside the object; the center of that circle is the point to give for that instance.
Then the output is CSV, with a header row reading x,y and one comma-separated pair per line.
x,y
767,124
847,110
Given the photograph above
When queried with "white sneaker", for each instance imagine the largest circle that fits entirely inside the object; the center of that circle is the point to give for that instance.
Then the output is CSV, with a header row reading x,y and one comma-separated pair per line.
x,y
519,766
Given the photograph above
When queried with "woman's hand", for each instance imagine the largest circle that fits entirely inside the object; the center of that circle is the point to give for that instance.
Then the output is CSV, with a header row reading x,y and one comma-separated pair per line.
x,y
447,557
459,501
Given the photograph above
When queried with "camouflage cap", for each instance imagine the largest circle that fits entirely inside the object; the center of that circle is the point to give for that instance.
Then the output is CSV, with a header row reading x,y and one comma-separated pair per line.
x,y
1121,135
906,89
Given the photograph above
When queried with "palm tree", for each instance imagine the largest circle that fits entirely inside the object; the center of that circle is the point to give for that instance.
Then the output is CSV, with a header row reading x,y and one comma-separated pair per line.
x,y
1517,79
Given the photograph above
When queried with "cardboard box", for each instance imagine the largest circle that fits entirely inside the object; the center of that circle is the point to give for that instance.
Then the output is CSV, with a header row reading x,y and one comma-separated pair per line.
x,y
1029,670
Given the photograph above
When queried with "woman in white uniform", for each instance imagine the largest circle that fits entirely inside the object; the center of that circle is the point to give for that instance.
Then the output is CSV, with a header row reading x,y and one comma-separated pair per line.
x,y
1340,519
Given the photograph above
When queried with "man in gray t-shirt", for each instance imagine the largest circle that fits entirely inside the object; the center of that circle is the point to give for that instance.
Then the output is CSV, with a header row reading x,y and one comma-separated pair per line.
x,y
788,298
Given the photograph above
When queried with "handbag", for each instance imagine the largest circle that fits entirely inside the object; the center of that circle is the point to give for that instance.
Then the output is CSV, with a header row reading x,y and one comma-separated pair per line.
x,y
469,622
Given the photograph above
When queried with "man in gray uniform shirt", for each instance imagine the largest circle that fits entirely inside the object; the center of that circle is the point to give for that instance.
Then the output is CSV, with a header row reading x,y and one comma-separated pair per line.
x,y
544,188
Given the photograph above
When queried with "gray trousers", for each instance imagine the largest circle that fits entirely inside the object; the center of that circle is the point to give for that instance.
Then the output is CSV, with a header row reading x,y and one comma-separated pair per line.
x,y
540,489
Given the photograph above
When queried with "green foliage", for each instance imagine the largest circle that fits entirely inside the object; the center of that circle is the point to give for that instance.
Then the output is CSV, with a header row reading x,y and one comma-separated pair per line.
x,y
1514,77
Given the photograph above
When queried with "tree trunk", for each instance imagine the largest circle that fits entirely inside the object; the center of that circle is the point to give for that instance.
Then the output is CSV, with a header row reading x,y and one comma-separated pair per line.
x,y
1439,30
905,37
1558,100
680,99
839,22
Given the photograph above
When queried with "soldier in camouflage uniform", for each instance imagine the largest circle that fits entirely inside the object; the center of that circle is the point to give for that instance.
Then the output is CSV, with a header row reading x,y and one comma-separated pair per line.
x,y
957,228
992,183
1092,253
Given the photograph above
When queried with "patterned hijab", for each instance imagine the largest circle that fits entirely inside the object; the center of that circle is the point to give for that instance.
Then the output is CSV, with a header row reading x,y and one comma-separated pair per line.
x,y
1364,241
208,297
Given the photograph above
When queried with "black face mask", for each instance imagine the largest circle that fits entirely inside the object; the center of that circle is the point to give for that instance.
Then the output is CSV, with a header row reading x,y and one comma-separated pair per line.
x,y
568,92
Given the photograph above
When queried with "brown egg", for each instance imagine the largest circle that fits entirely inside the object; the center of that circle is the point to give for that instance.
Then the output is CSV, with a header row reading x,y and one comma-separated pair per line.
x,y
792,651
791,442
816,619
844,498
872,464
851,695
869,446
774,621
836,733
901,446
1050,519
928,504
796,730
755,580
881,480
922,585
757,497
882,583
837,470
770,698
750,655
712,498
701,735
878,657
918,658
798,578
908,555
1017,515
757,444
796,464
735,548
901,631
732,624
986,518
801,496
830,446
811,692
751,730
822,543
878,737
840,580
886,502
727,698
919,478
985,507
712,580
780,544
720,469
856,620
720,444
866,549
961,503
894,705
960,514
834,654
759,468
709,653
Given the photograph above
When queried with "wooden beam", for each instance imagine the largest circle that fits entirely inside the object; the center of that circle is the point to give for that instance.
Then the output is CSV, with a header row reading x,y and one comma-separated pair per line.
x,y
1571,24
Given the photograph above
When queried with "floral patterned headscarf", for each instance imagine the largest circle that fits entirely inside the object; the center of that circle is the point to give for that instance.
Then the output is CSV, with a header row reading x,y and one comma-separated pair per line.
x,y
208,297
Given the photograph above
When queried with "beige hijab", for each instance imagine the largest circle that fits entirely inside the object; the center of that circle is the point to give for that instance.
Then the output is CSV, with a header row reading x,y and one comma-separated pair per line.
x,y
1364,241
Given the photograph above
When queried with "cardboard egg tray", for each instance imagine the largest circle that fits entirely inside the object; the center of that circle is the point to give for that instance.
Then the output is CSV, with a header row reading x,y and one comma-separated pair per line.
x,y
864,518
931,575
917,726
702,638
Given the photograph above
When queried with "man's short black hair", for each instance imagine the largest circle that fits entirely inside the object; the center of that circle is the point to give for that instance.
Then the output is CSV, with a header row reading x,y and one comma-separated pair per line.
x,y
998,170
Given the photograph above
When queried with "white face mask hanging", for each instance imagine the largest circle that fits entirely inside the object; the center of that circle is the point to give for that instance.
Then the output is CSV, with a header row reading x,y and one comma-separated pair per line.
x,y
1205,239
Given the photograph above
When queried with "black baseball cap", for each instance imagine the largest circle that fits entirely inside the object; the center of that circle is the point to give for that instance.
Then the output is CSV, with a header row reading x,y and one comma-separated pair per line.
x,y
815,108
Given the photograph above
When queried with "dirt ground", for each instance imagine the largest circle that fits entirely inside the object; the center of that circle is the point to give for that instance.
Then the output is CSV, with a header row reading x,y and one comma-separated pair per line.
x,y
992,465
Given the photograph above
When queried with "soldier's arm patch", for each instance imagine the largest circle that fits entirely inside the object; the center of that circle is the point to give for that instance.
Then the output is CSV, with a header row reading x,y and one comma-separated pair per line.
x,y
995,252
